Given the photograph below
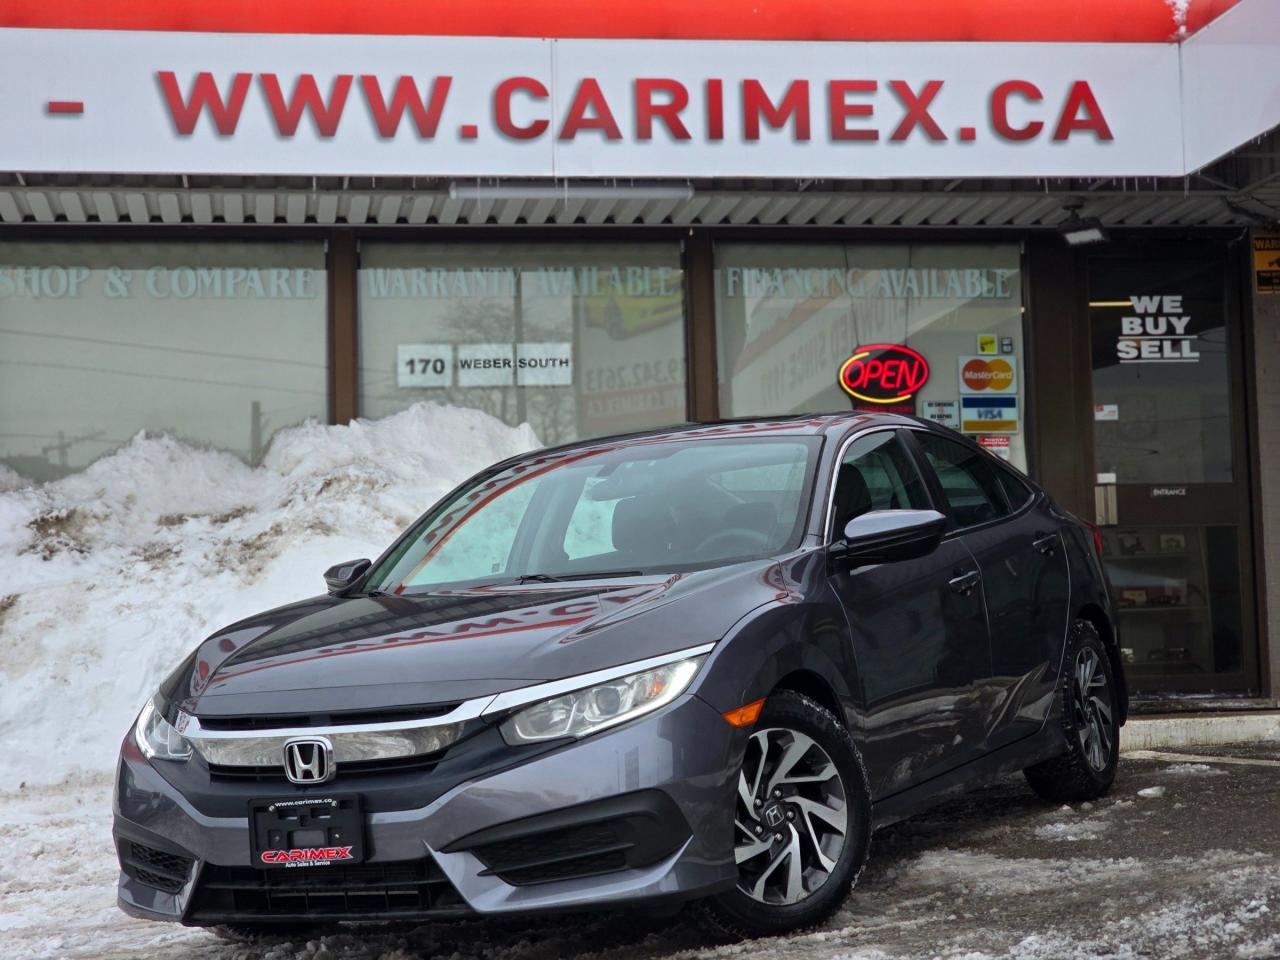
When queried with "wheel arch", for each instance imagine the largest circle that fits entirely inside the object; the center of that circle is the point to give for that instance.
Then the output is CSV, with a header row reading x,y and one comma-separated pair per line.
x,y
1094,615
814,686
770,654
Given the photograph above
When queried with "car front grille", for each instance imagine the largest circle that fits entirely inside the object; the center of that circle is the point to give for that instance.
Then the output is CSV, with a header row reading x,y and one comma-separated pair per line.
x,y
380,735
276,721
370,891
168,872
424,763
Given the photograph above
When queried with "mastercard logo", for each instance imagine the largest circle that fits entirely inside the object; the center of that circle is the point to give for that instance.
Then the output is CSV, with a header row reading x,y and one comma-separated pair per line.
x,y
994,375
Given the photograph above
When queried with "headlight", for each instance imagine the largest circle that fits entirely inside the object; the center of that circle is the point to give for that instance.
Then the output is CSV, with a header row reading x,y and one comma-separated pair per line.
x,y
156,737
585,711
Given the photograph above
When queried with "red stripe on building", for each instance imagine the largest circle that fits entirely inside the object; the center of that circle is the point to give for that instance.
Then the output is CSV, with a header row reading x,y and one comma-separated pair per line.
x,y
1138,21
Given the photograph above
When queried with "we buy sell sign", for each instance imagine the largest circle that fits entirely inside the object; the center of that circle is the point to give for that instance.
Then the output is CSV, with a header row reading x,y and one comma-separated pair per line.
x,y
155,102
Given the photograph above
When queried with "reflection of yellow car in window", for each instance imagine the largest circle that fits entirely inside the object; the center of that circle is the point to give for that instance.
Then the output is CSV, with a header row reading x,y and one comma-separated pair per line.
x,y
628,316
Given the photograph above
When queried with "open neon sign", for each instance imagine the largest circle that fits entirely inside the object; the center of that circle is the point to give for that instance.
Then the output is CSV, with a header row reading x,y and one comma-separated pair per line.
x,y
884,374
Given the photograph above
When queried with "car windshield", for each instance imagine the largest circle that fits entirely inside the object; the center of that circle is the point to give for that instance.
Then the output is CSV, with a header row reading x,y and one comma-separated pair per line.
x,y
628,508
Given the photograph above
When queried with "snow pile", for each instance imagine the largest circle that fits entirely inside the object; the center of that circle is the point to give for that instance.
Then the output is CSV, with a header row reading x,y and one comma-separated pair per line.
x,y
987,874
1072,830
1192,770
9,480
115,573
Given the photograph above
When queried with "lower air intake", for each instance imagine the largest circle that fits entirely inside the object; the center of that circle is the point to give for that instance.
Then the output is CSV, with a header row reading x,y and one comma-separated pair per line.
x,y
164,871
406,889
630,831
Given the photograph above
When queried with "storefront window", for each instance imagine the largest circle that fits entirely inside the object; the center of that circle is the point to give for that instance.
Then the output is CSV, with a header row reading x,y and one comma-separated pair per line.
x,y
576,340
788,316
1171,493
217,344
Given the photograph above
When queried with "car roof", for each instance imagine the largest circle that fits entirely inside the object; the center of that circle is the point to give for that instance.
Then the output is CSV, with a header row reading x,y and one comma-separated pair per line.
x,y
800,425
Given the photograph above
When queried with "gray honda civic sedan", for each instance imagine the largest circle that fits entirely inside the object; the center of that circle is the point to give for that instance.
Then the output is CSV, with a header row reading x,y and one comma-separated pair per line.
x,y
697,664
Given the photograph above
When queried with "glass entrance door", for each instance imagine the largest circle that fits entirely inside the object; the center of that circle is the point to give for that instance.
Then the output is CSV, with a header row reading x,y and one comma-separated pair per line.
x,y
1171,494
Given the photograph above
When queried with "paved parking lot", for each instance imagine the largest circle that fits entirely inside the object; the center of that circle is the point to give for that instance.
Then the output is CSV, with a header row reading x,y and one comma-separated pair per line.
x,y
1182,860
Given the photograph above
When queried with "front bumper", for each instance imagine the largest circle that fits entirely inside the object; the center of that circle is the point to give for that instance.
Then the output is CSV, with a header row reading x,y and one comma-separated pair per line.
x,y
679,763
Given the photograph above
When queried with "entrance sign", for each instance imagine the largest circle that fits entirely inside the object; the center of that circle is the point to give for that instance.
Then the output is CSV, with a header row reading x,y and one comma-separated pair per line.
x,y
884,376
468,107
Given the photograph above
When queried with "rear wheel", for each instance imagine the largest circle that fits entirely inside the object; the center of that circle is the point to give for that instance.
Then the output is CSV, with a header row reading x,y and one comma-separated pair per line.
x,y
802,821
1089,721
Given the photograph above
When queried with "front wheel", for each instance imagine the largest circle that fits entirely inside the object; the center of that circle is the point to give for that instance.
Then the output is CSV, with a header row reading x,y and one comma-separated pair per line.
x,y
802,821
1089,723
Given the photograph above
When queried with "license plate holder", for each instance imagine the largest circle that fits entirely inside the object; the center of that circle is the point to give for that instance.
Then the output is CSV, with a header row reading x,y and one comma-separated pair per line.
x,y
307,832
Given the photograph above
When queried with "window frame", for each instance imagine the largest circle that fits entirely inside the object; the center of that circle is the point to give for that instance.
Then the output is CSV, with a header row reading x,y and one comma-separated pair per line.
x,y
1012,474
908,446
826,530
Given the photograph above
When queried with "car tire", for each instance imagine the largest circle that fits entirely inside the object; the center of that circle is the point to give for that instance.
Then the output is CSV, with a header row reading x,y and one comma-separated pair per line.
x,y
1089,712
764,902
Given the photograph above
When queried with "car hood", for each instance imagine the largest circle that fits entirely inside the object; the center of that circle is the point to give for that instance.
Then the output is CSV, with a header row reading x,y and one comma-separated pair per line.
x,y
361,653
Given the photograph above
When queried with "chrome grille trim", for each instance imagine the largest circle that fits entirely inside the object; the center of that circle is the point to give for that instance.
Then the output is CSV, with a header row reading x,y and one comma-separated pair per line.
x,y
351,742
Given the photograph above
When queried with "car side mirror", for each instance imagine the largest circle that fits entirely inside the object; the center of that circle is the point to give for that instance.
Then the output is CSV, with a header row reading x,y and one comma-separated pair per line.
x,y
888,536
342,575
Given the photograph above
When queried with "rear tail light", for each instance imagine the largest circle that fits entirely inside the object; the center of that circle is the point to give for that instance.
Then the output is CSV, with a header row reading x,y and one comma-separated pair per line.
x,y
1097,537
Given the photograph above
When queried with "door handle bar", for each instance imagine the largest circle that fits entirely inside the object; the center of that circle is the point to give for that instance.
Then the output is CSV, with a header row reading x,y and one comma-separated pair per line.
x,y
1046,544
965,583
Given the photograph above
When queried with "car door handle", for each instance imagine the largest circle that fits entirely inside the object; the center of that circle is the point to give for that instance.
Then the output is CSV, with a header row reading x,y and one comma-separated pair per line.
x,y
1046,544
965,583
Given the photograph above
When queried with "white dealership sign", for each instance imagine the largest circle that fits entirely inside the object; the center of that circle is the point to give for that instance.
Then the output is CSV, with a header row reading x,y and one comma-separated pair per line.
x,y
141,102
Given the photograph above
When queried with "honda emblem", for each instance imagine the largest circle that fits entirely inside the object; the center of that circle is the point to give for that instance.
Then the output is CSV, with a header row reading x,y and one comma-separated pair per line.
x,y
308,760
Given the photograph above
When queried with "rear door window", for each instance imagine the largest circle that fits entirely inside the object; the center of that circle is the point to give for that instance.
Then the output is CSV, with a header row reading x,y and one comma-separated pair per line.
x,y
1016,490
970,484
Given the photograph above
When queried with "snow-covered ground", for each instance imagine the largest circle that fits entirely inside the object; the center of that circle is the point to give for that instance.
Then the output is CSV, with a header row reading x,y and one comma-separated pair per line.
x,y
114,574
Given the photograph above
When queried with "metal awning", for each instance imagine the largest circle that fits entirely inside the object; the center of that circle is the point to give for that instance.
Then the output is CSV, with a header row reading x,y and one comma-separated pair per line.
x,y
1243,188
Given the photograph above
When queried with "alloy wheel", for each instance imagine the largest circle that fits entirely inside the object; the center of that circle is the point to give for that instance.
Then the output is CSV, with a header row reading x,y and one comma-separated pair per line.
x,y
1091,705
792,817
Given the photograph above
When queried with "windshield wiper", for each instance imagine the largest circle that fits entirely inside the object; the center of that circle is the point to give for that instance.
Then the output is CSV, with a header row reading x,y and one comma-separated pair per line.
x,y
557,578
